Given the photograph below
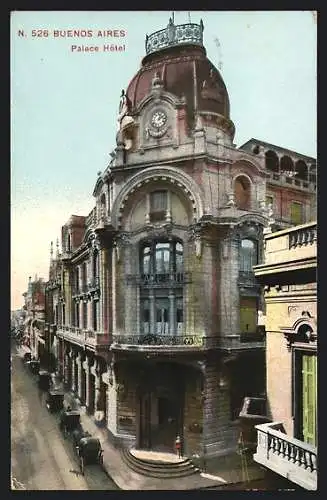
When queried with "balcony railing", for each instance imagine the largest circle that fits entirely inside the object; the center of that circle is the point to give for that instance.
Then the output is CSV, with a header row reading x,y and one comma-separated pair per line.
x,y
247,278
82,336
164,341
282,178
303,236
286,456
159,279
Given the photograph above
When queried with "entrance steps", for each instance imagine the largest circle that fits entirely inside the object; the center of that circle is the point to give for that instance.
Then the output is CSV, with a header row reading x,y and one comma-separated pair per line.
x,y
159,465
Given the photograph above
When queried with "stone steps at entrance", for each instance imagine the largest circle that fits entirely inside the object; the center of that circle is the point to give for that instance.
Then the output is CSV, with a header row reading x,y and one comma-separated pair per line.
x,y
159,467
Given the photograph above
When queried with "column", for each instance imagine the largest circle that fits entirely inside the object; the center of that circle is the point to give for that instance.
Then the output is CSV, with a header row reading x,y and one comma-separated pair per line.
x,y
86,367
79,375
172,326
113,291
66,361
99,310
152,313
112,400
73,372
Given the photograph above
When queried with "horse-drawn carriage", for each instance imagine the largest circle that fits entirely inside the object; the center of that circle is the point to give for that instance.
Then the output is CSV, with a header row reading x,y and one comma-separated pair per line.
x,y
69,421
89,451
55,400
44,380
88,448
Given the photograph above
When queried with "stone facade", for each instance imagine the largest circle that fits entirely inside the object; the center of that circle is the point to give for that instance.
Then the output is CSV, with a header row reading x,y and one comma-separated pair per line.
x,y
154,278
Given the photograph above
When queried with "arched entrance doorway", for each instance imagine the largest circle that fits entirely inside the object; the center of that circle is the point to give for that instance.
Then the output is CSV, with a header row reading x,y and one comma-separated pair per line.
x,y
160,407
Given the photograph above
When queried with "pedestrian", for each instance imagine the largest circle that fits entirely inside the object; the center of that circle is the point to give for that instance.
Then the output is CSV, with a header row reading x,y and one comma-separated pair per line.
x,y
178,446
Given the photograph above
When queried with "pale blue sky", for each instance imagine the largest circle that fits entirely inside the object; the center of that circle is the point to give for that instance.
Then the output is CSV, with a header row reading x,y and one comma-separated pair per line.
x,y
64,105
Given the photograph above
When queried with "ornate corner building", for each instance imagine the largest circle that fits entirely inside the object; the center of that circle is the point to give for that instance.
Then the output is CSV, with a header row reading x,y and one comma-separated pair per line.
x,y
153,303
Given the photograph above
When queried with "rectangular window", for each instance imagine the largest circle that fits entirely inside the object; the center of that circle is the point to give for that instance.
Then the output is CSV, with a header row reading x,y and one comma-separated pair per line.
x,y
63,314
145,316
158,205
162,315
95,306
296,213
77,314
248,314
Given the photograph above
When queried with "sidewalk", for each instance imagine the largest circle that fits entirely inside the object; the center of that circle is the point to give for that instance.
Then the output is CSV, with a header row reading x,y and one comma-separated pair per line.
x,y
223,471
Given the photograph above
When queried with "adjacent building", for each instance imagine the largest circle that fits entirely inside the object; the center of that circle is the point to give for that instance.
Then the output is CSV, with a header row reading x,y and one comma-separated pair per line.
x,y
34,307
288,445
152,302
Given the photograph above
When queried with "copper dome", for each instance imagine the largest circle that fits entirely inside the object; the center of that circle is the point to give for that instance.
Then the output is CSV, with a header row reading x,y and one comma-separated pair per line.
x,y
185,71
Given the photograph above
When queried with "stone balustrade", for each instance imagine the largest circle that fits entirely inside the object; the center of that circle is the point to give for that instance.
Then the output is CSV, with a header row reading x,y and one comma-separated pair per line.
x,y
286,456
303,236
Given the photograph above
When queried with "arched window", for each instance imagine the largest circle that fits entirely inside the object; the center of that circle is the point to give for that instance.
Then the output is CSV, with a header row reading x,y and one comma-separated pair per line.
x,y
68,244
304,333
248,255
272,161
287,166
161,287
242,191
103,206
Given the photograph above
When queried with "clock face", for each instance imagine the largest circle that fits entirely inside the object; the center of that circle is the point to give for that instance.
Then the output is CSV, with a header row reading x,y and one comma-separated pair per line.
x,y
158,119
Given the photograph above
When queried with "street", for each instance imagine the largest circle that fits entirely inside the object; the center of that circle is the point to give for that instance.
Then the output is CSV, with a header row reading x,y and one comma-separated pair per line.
x,y
41,459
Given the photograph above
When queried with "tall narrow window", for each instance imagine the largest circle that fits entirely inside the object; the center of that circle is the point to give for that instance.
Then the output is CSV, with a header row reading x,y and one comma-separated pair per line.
x,y
158,205
84,277
84,315
242,191
162,280
95,307
248,255
95,264
145,316
77,314
179,316
77,287
63,314
296,213
162,257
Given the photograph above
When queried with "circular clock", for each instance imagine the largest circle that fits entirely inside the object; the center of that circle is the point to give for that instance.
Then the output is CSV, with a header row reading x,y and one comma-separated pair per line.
x,y
158,119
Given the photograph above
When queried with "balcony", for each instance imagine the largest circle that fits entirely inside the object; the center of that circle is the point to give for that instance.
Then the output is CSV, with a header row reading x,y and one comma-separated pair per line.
x,y
83,337
282,179
294,248
159,280
163,343
286,456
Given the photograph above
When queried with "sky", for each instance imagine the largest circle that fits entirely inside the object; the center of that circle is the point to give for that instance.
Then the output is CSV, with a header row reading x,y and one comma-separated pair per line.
x,y
64,104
